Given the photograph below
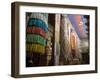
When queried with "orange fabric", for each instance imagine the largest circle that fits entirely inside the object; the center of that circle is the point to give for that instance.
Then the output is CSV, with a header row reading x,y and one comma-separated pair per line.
x,y
72,39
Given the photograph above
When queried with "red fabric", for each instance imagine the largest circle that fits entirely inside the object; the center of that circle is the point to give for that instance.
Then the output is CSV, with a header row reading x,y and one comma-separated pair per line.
x,y
35,30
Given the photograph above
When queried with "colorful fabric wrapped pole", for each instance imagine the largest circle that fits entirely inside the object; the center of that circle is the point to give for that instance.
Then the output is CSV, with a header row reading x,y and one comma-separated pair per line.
x,y
37,27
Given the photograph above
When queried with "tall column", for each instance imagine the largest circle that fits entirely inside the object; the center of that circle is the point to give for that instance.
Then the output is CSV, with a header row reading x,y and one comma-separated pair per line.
x,y
64,40
57,38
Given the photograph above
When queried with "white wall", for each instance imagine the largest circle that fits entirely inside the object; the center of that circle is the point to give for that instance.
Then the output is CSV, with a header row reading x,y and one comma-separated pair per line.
x,y
5,40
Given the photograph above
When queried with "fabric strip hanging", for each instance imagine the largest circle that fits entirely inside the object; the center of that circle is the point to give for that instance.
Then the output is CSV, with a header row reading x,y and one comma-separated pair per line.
x,y
38,23
40,16
37,48
36,30
36,39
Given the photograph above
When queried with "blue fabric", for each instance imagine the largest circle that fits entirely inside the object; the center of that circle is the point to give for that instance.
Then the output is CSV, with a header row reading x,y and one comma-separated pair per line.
x,y
38,23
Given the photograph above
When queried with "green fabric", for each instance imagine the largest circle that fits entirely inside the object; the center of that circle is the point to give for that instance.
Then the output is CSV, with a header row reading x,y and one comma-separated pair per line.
x,y
35,38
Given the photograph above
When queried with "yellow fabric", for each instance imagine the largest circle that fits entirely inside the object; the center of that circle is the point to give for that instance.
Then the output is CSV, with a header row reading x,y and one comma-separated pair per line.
x,y
37,48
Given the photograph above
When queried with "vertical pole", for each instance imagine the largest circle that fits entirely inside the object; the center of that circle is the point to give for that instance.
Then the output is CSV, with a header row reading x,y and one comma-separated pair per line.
x,y
57,38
